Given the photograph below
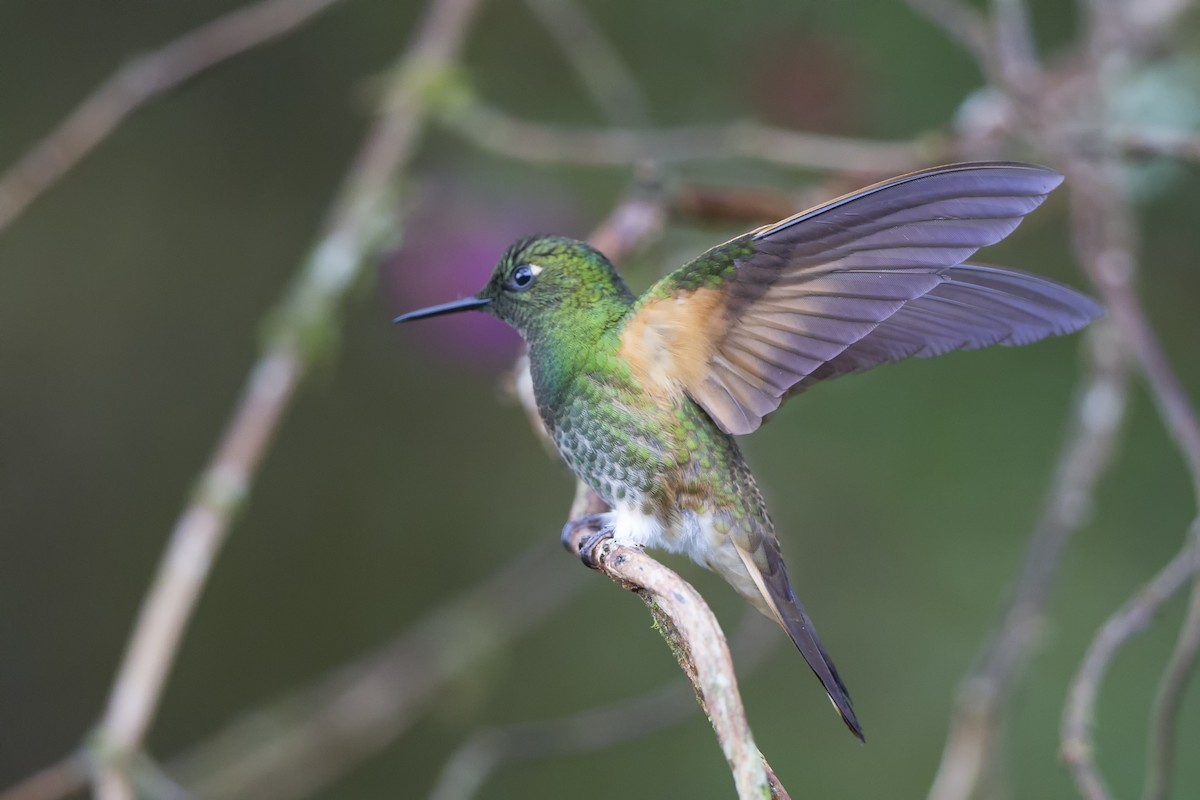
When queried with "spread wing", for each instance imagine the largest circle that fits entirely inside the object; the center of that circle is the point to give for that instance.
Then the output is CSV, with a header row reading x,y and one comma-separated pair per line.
x,y
872,277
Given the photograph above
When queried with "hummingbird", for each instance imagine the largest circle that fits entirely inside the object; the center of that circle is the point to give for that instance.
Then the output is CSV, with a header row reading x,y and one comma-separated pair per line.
x,y
644,395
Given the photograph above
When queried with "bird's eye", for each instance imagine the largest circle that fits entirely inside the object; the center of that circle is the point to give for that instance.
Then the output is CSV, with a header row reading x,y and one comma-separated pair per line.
x,y
522,277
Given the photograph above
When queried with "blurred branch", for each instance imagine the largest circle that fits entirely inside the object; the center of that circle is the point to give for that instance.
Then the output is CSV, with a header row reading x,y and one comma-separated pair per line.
x,y
724,205
472,763
361,215
1183,145
59,780
302,742
962,24
983,695
137,83
492,130
1164,718
603,72
1050,110
1103,234
1121,31
182,571
751,206
1132,618
1103,240
636,221
1014,50
1103,237
691,631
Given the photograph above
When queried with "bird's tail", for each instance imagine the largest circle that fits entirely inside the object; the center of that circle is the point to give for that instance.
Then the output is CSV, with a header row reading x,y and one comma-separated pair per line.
x,y
781,603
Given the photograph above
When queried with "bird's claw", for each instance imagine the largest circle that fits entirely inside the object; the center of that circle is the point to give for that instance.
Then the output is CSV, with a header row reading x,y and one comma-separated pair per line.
x,y
589,544
583,536
572,528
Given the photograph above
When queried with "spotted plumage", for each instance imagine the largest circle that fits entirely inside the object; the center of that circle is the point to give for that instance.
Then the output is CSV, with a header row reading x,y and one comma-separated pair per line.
x,y
643,395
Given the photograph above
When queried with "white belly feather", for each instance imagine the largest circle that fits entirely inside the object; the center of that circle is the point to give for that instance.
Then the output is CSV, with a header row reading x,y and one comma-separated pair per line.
x,y
691,534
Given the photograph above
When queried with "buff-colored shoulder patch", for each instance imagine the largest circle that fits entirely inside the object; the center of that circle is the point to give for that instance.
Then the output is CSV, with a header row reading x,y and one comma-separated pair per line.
x,y
668,343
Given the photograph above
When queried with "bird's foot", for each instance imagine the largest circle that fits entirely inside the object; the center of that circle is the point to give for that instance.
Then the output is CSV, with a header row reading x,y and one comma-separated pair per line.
x,y
590,543
572,531
582,536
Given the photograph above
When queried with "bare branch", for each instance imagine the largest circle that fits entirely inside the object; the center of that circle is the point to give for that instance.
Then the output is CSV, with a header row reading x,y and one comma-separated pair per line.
x,y
469,767
193,546
1118,31
305,740
361,215
497,132
137,83
598,64
1102,234
752,206
1015,49
697,642
976,728
1183,145
962,24
1103,240
1165,715
55,782
318,733
1132,618
636,221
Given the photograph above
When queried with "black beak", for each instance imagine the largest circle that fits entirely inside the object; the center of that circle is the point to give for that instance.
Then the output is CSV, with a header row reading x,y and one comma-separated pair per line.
x,y
466,304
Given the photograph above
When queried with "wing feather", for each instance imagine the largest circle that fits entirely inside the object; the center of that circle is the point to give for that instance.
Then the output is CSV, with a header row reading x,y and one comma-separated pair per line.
x,y
872,277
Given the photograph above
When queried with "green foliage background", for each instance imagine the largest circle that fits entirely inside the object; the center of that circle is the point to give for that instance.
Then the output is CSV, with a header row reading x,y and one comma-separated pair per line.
x,y
131,304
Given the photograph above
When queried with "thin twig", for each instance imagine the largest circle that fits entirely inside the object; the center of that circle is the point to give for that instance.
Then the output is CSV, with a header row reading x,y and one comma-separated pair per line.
x,y
748,206
1112,265
695,638
495,131
137,83
1184,145
976,728
634,223
1103,238
1103,235
962,24
1015,50
59,780
604,73
472,763
193,546
305,740
1164,717
361,215
320,732
1077,745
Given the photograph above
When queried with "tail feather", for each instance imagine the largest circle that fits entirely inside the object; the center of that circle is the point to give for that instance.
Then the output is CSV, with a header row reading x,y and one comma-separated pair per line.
x,y
798,625
785,607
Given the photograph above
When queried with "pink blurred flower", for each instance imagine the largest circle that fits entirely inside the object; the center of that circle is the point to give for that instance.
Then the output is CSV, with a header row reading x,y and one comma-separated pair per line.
x,y
453,238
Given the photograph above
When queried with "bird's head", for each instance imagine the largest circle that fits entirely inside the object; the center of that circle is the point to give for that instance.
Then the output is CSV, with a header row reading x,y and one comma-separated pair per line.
x,y
545,284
